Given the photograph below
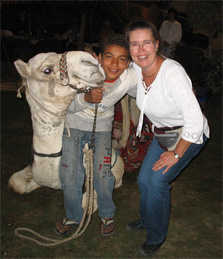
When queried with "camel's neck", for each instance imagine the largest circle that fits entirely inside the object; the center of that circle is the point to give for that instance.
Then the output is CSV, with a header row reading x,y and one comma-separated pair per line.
x,y
47,128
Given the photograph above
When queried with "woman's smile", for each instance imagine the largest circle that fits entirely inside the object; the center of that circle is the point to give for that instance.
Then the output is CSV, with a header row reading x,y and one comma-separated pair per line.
x,y
142,57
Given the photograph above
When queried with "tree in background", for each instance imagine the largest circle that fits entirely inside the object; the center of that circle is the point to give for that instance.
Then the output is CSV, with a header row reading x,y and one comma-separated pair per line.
x,y
206,17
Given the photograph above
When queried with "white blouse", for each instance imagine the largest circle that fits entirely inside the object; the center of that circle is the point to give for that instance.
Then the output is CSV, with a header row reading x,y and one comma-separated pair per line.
x,y
171,102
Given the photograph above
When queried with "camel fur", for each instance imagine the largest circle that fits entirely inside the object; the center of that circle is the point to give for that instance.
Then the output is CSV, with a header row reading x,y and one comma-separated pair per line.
x,y
49,99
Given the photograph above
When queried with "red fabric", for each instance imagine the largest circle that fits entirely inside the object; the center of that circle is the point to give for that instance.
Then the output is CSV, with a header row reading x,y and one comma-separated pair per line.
x,y
136,148
118,116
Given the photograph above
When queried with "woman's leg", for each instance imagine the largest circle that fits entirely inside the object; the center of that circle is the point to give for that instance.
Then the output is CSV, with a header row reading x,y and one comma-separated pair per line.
x,y
148,200
155,191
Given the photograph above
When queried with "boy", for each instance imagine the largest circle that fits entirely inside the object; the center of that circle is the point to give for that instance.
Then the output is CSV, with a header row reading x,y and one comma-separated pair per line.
x,y
114,59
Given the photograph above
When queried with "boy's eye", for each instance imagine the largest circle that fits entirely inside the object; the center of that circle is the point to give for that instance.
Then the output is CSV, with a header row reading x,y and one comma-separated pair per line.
x,y
123,59
108,56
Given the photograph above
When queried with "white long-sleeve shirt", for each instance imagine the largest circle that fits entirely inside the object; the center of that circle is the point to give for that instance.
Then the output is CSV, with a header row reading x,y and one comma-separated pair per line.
x,y
171,102
170,32
80,114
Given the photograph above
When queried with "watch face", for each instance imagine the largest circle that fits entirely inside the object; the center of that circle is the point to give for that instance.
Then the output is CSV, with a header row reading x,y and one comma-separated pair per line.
x,y
176,155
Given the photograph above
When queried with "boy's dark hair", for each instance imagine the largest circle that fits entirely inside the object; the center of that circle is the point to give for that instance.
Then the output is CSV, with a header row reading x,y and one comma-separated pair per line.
x,y
141,24
115,39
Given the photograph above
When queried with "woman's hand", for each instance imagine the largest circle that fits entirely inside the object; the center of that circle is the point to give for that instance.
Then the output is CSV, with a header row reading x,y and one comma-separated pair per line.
x,y
95,95
166,159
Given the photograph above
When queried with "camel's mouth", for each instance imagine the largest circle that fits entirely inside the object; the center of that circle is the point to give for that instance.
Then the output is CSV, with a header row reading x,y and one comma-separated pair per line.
x,y
92,74
92,82
79,87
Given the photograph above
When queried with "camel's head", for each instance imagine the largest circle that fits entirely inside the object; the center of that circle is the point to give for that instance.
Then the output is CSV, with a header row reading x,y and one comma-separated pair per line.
x,y
43,72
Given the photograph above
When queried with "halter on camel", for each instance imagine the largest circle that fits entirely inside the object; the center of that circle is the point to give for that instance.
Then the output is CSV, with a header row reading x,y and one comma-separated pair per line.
x,y
88,165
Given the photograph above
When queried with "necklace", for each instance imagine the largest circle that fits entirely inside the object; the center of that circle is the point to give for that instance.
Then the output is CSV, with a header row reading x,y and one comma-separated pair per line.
x,y
145,87
153,73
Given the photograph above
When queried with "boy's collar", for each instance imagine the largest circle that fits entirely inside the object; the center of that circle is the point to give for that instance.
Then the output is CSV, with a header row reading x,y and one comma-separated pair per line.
x,y
111,81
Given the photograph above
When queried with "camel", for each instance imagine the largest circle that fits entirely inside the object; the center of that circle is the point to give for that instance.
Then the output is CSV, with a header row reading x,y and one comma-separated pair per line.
x,y
51,82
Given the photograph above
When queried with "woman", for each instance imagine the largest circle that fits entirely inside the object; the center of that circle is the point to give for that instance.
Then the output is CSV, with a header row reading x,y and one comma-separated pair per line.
x,y
165,96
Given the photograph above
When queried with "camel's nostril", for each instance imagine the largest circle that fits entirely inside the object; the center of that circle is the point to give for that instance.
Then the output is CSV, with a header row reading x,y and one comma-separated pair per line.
x,y
76,77
100,83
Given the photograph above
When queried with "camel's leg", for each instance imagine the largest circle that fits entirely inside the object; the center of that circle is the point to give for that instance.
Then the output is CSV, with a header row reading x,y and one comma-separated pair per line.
x,y
22,181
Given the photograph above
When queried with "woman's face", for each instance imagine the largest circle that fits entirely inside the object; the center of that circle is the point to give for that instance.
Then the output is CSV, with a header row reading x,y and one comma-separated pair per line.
x,y
143,47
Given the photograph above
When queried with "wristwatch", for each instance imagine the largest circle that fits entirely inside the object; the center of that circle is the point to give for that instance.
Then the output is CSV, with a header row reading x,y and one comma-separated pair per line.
x,y
176,155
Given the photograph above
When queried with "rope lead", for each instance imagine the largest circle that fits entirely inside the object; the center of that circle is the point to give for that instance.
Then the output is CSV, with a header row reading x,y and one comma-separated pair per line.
x,y
88,164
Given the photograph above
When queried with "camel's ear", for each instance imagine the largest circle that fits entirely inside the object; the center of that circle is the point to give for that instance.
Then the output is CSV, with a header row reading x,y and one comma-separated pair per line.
x,y
22,68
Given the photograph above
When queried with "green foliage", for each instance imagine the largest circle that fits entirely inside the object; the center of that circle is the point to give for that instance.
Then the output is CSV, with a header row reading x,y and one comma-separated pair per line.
x,y
194,62
205,15
213,78
202,71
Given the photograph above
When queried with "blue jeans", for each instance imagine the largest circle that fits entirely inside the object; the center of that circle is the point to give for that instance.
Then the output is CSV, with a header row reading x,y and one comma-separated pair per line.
x,y
72,173
155,190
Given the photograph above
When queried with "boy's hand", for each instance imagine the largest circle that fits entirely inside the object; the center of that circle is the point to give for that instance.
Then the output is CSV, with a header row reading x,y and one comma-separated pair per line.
x,y
95,95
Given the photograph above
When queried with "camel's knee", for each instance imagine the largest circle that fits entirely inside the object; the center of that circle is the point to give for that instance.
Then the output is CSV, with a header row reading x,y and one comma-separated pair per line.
x,y
22,182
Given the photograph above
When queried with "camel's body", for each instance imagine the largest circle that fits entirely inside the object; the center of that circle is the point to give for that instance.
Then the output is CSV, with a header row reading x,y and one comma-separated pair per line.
x,y
48,100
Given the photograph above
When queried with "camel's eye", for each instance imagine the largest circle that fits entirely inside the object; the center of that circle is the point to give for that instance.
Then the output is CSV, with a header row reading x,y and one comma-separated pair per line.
x,y
48,71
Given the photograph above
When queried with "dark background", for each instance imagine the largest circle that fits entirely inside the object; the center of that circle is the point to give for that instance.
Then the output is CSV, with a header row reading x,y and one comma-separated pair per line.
x,y
47,21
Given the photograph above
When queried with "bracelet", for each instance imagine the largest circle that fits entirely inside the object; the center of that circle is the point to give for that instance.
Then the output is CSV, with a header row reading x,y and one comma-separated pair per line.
x,y
176,155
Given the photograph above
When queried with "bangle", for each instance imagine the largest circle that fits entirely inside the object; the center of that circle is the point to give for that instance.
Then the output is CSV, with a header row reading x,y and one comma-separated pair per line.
x,y
176,155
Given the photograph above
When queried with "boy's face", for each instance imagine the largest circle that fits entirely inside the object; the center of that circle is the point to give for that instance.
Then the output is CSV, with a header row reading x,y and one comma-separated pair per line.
x,y
114,61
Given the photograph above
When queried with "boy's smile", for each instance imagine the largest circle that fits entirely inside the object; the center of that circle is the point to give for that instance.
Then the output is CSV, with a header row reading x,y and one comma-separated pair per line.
x,y
114,61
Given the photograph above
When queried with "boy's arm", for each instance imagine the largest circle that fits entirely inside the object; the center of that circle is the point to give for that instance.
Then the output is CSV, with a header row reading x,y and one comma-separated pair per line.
x,y
133,81
133,91
81,100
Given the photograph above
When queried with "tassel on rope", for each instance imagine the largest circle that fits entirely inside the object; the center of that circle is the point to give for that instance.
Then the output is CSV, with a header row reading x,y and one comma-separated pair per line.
x,y
19,92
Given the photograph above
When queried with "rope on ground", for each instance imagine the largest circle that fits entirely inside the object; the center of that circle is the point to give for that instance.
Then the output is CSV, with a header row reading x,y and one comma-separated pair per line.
x,y
88,164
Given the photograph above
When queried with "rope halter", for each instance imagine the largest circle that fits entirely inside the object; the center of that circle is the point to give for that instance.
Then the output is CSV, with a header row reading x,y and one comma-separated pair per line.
x,y
64,75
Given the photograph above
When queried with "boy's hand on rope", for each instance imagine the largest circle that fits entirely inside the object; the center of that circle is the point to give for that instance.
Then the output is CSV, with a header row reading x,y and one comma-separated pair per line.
x,y
95,95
